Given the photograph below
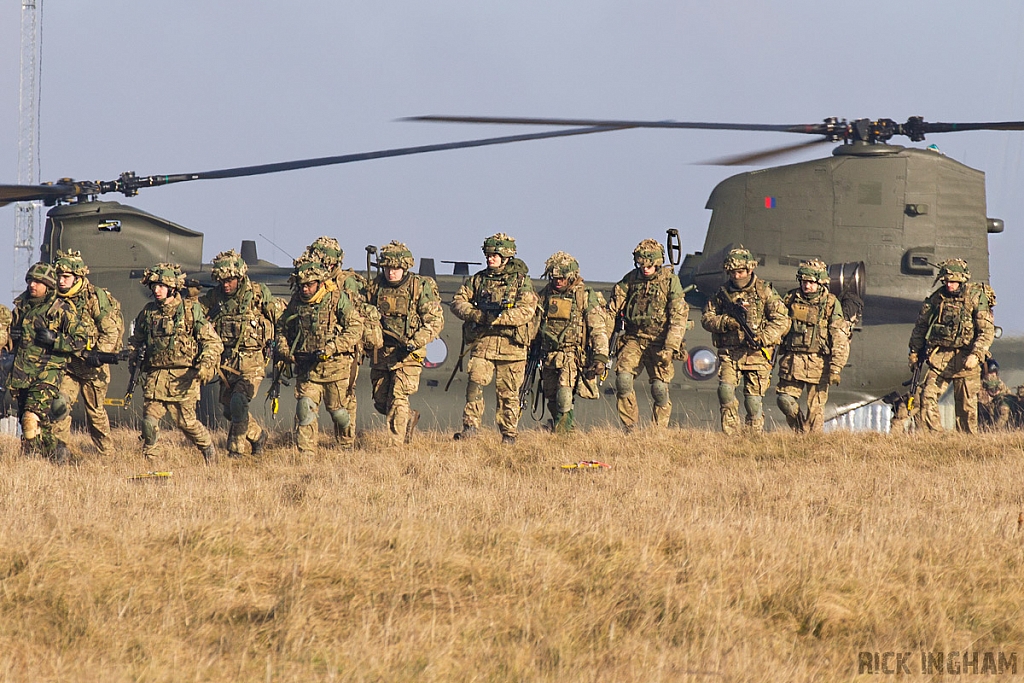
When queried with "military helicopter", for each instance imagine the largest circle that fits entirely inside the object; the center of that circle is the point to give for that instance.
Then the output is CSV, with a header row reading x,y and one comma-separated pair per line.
x,y
881,214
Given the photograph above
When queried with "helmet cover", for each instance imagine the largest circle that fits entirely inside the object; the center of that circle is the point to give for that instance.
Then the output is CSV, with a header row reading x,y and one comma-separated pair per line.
x,y
227,265
168,274
739,258
500,244
561,265
70,261
954,270
42,272
395,254
813,270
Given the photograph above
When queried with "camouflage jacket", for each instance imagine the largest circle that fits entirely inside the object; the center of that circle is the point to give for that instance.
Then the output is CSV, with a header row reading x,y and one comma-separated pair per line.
x,y
410,316
36,365
818,342
245,321
958,323
652,309
101,313
175,334
5,326
506,299
328,323
764,311
574,322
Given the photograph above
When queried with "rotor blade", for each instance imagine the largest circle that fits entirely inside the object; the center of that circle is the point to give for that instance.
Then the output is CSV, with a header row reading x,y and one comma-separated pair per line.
x,y
152,181
813,128
30,193
754,158
956,127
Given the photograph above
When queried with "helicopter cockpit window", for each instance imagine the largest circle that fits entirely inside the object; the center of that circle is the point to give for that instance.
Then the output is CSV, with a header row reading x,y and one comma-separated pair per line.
x,y
109,226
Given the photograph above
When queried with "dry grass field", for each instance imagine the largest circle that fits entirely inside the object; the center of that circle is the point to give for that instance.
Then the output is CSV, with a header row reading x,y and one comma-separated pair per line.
x,y
694,558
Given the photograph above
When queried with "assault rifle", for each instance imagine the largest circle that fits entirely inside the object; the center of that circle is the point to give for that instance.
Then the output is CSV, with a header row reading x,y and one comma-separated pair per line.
x,y
305,362
6,365
915,381
739,314
134,370
277,379
617,331
98,358
402,348
532,363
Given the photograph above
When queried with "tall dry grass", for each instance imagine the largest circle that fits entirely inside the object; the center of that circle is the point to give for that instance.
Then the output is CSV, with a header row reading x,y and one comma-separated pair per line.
x,y
694,558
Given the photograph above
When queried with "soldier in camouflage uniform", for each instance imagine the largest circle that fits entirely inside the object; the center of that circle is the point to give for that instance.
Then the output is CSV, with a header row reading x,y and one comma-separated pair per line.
x,y
743,357
179,351
86,374
244,314
953,333
649,305
328,252
994,399
411,317
573,337
46,331
320,333
814,351
498,306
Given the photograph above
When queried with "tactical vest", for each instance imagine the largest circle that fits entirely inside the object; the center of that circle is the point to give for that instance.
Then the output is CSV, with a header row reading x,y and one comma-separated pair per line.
x,y
497,292
951,323
171,339
398,306
563,324
729,301
808,332
314,324
240,320
646,306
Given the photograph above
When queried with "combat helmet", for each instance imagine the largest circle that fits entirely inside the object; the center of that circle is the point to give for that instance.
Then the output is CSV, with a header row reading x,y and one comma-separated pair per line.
x,y
953,270
500,244
42,272
227,265
164,274
813,270
395,254
70,261
310,271
648,253
561,265
739,258
327,251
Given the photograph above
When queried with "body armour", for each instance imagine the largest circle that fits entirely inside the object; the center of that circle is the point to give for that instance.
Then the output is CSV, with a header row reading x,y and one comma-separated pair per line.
x,y
507,300
955,321
330,323
811,320
571,319
244,321
35,364
652,308
410,310
175,334
101,313
758,303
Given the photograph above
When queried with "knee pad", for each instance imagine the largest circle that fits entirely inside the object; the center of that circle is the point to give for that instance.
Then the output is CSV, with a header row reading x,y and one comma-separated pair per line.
x,y
474,392
726,394
341,418
788,405
239,407
623,383
305,411
752,405
150,428
563,399
60,407
30,425
659,392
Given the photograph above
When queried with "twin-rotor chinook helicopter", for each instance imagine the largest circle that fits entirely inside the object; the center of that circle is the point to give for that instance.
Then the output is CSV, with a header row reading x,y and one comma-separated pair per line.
x,y
881,214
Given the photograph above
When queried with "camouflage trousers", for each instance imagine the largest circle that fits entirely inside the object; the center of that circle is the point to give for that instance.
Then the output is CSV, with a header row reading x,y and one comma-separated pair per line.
x,y
738,370
347,437
632,356
966,388
309,395
995,414
36,408
509,377
183,413
788,393
93,391
392,387
558,377
236,393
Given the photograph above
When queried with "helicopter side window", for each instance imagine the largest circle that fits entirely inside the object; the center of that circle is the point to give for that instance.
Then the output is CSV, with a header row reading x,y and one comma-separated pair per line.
x,y
109,226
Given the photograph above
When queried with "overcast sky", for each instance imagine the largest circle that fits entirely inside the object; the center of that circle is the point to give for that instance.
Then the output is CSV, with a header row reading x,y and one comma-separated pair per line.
x,y
196,85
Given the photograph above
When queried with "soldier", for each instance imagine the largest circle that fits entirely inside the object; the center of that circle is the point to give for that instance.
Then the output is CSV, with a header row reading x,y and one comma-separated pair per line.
x,y
573,337
994,399
88,375
952,336
498,306
746,318
649,306
46,331
179,351
814,351
244,314
320,334
411,317
328,252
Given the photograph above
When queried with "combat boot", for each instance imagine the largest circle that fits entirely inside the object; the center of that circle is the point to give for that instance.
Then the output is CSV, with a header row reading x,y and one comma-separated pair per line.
x,y
466,433
508,440
210,455
260,443
61,455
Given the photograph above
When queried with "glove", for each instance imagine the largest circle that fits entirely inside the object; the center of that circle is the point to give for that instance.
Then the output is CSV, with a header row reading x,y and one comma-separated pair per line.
x,y
971,362
833,379
912,360
46,338
665,357
731,324
596,369
205,373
